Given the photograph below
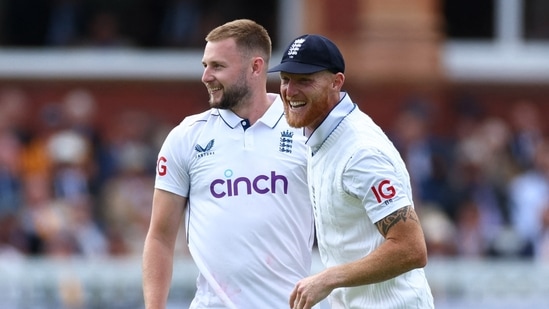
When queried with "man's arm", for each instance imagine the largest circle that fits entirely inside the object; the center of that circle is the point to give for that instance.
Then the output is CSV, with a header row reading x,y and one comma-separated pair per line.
x,y
158,253
404,249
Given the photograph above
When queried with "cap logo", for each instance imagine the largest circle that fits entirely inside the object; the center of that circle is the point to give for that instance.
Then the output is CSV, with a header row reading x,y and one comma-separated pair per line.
x,y
292,51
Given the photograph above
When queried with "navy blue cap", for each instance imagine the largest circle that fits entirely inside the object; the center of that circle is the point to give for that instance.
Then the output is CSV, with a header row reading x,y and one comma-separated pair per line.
x,y
311,53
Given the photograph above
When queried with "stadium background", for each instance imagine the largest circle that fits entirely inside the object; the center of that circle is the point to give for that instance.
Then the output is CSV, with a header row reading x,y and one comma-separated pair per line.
x,y
436,68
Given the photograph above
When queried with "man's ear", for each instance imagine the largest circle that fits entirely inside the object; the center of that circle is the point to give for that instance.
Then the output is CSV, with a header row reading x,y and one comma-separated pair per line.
x,y
257,64
338,81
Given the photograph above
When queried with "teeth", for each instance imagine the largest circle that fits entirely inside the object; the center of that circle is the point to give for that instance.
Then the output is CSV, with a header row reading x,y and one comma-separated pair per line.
x,y
211,90
295,104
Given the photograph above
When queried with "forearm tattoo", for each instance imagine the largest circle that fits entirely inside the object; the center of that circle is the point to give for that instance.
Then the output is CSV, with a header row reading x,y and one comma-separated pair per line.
x,y
402,214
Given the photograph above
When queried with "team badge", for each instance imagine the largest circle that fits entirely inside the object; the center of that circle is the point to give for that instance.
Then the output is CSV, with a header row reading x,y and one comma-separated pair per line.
x,y
296,45
286,141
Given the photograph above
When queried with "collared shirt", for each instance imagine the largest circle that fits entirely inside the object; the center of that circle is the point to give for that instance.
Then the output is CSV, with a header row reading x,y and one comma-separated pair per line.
x,y
249,218
356,178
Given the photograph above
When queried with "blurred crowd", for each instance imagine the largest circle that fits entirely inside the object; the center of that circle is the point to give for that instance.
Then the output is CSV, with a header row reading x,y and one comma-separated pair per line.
x,y
123,23
66,188
483,191
69,189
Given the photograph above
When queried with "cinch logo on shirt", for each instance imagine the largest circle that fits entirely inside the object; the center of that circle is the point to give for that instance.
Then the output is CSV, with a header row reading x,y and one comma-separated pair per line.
x,y
384,191
261,184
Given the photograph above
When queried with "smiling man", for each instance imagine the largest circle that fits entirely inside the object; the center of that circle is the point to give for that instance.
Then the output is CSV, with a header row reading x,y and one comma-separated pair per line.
x,y
369,236
237,173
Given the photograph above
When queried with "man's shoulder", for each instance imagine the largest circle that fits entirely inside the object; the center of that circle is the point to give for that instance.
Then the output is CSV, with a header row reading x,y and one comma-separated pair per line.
x,y
192,124
205,116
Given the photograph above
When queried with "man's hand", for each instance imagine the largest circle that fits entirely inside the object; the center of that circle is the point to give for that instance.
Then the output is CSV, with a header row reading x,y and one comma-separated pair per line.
x,y
309,292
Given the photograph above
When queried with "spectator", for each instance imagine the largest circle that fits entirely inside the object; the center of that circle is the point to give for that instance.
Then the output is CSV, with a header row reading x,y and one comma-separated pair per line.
x,y
426,156
483,168
78,110
440,231
527,132
10,169
90,240
65,23
38,217
104,31
529,201
471,241
69,154
126,198
12,242
16,107
181,24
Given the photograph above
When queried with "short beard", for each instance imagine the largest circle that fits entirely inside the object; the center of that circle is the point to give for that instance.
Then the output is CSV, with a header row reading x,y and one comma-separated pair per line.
x,y
232,96
307,119
293,121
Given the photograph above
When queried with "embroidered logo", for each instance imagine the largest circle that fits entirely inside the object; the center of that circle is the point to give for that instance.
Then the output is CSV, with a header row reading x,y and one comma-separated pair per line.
x,y
286,141
205,151
294,49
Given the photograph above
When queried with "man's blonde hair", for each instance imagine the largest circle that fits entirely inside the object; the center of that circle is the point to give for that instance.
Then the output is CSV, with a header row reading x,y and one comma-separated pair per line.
x,y
249,36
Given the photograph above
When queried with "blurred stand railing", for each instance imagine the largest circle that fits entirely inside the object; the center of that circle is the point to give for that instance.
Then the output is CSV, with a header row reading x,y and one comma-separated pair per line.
x,y
116,283
89,63
488,283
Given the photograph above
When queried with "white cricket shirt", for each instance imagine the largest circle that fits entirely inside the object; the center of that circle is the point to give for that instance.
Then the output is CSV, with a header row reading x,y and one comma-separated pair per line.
x,y
357,177
250,225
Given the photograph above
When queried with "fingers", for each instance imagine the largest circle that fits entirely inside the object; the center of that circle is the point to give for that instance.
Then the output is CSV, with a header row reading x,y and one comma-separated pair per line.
x,y
301,304
298,301
293,298
297,304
